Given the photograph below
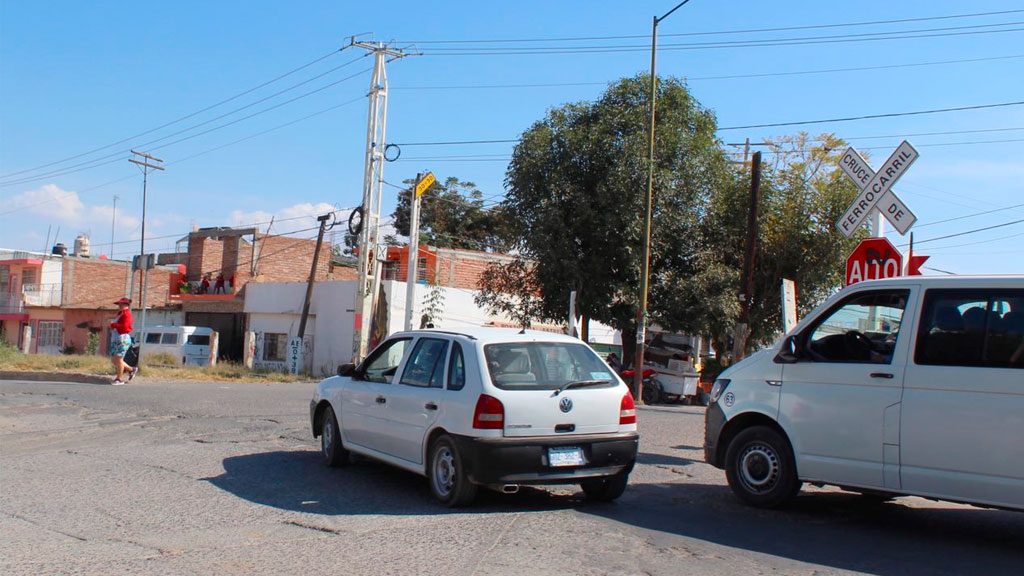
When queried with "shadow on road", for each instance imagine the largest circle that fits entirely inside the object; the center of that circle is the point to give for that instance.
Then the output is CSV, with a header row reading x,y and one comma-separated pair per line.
x,y
833,529
299,481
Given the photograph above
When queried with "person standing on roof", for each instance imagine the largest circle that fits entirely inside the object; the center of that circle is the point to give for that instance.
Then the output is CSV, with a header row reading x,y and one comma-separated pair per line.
x,y
123,341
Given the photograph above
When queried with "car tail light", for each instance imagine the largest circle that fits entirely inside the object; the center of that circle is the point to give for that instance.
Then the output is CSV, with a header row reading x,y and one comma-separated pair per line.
x,y
627,410
489,413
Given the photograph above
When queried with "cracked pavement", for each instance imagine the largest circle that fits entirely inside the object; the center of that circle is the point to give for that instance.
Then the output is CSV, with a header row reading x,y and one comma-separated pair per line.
x,y
195,478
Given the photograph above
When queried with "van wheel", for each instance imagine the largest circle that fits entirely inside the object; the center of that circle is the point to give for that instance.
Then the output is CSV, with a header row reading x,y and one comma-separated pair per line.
x,y
605,489
447,475
760,468
331,448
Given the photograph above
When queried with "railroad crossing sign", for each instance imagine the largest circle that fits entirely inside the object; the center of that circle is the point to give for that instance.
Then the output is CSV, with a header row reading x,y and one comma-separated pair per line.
x,y
875,189
872,259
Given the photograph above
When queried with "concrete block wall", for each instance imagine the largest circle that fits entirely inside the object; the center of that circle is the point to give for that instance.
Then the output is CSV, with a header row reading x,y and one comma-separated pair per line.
x,y
463,268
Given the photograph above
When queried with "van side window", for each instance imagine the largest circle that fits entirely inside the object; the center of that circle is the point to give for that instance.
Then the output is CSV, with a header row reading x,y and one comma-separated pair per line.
x,y
153,338
198,339
169,338
456,368
974,327
863,328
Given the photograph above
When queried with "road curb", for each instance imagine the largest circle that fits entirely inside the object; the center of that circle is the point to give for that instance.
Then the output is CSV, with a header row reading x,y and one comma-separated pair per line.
x,y
72,377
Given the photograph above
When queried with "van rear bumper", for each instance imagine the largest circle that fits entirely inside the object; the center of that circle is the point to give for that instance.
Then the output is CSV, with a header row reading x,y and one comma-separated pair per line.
x,y
525,460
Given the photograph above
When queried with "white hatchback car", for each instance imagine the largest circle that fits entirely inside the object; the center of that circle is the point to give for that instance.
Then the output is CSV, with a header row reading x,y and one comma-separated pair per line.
x,y
483,406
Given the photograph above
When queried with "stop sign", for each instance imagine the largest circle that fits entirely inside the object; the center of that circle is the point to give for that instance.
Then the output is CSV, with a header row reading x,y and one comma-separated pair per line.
x,y
872,259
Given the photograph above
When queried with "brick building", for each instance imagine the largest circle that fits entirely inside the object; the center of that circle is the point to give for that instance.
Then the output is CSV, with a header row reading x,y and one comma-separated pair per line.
x,y
51,303
241,255
449,267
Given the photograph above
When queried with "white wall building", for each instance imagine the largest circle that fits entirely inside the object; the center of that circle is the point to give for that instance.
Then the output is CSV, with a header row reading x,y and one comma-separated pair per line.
x,y
274,311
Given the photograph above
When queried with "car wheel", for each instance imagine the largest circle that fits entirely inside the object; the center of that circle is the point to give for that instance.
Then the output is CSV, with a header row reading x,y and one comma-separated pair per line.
x,y
760,468
652,392
331,448
447,475
605,489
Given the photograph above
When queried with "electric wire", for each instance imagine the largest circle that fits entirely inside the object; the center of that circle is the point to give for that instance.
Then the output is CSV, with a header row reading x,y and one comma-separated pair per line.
x,y
182,118
874,116
724,32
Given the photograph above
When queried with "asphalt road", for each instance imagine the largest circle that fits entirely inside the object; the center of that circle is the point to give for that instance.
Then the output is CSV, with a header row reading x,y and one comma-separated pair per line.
x,y
209,478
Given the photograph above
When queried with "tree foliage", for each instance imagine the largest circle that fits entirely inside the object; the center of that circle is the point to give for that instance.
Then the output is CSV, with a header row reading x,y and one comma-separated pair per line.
x,y
577,187
511,289
454,214
803,195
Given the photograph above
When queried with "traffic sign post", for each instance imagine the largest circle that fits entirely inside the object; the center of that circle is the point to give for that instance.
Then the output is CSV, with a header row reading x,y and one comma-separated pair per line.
x,y
873,259
875,189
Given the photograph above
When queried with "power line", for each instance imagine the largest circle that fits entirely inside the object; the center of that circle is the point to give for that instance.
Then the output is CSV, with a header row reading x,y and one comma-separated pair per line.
x,y
148,144
724,32
976,230
187,158
172,122
874,116
914,35
703,78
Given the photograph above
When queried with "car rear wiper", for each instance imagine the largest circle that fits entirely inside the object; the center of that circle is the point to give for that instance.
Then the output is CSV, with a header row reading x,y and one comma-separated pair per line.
x,y
579,384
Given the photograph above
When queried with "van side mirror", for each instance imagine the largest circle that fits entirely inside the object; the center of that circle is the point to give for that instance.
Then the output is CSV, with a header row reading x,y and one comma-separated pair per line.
x,y
346,369
789,353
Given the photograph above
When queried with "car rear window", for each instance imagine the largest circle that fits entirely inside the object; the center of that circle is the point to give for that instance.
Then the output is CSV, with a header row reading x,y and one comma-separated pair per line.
x,y
543,365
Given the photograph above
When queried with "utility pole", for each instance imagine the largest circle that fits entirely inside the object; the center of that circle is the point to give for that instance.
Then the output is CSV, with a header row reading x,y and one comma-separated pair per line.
x,y
143,264
312,272
414,250
373,175
641,314
113,219
739,344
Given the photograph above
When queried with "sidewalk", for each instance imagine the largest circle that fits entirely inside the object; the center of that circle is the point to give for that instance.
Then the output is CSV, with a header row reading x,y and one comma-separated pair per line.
x,y
78,378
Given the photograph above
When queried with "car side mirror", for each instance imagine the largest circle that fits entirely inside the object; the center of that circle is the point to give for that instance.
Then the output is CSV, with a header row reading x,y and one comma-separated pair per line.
x,y
789,353
346,369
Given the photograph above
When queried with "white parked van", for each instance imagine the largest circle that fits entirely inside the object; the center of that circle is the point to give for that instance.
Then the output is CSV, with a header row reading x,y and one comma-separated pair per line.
x,y
911,386
194,345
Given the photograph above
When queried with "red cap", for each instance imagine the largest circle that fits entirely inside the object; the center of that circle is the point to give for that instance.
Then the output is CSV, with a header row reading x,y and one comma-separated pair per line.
x,y
124,301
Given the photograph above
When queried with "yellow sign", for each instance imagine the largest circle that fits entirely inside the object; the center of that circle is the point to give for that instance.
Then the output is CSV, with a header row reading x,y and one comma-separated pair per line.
x,y
425,183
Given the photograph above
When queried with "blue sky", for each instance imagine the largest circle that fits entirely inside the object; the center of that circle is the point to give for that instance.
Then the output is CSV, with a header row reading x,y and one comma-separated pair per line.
x,y
75,77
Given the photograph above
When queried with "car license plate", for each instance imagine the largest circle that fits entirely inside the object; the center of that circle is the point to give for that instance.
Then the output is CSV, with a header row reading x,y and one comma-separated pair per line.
x,y
565,456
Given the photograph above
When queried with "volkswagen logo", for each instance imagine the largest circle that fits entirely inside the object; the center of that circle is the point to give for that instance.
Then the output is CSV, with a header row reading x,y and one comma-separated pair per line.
x,y
565,404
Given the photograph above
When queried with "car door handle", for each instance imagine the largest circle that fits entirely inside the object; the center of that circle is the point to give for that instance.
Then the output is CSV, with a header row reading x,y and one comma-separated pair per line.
x,y
881,375
430,406
382,400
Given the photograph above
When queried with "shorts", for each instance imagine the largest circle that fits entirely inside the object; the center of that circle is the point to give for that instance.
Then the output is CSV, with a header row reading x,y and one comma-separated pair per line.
x,y
121,345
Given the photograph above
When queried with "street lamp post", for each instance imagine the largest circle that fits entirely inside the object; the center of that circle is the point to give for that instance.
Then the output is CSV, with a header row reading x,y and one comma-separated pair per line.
x,y
641,315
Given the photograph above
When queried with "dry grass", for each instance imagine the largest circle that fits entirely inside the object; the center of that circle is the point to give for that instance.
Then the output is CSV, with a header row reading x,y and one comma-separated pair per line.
x,y
153,367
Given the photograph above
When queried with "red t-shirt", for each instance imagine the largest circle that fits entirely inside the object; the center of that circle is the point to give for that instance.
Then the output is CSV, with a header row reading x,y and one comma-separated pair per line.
x,y
123,322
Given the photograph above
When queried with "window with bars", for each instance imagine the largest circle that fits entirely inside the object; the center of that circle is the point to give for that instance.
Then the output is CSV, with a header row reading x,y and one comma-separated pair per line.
x,y
275,347
50,334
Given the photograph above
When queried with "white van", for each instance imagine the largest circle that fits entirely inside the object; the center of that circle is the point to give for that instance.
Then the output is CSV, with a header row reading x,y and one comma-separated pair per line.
x,y
910,386
194,345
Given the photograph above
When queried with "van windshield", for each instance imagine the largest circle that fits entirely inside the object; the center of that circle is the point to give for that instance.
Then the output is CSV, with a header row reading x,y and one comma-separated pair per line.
x,y
198,339
543,365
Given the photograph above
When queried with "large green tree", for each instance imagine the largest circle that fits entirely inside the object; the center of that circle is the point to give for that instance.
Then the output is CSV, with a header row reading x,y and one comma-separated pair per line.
x,y
576,189
455,214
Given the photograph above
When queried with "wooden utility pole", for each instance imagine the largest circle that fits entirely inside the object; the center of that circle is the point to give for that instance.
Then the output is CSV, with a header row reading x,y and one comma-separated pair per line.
x,y
739,346
312,272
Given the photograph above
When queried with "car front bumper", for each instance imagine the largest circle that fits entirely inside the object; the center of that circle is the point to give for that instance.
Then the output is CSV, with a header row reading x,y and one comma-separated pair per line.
x,y
714,421
525,460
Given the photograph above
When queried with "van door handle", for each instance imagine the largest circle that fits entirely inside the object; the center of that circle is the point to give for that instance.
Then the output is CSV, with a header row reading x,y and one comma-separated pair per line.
x,y
430,406
881,375
382,400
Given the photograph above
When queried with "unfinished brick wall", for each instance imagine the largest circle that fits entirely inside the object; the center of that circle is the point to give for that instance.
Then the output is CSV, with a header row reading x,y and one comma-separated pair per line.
x,y
96,284
463,268
283,259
